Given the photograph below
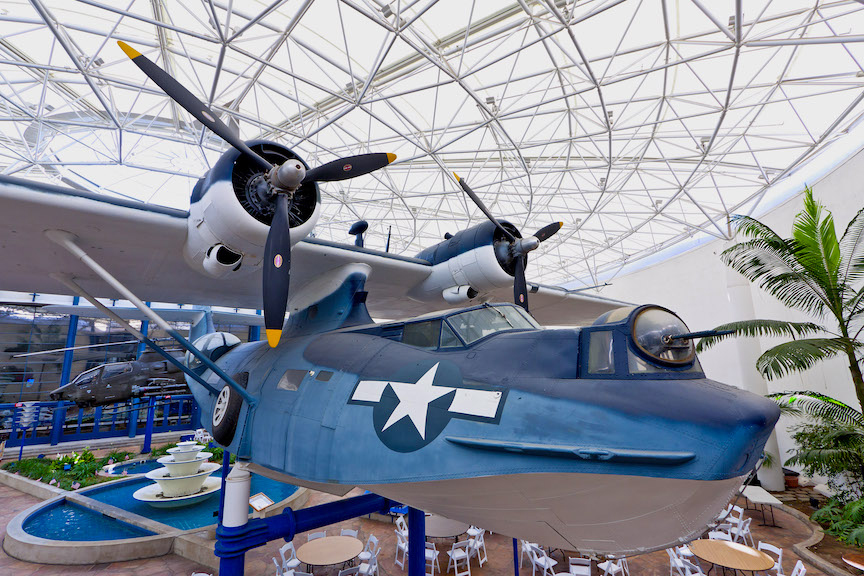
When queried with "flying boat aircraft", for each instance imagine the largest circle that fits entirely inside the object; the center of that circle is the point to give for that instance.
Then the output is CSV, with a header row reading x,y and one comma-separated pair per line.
x,y
604,439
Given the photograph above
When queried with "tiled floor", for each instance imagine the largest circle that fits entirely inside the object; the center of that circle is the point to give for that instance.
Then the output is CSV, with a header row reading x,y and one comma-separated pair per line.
x,y
258,561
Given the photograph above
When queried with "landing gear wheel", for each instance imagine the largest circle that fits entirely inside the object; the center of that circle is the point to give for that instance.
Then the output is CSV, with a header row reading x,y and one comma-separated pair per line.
x,y
226,413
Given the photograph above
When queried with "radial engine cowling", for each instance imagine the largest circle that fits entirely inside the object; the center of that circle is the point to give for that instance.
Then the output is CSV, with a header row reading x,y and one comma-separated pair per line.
x,y
469,264
231,211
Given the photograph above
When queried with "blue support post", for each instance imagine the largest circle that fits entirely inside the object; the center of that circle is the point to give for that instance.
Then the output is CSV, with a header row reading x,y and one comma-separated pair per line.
x,y
232,543
515,557
145,327
148,431
71,335
255,331
59,422
416,542
133,417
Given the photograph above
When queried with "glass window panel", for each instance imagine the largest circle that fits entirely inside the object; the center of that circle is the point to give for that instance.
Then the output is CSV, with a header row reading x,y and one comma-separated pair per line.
x,y
422,334
601,359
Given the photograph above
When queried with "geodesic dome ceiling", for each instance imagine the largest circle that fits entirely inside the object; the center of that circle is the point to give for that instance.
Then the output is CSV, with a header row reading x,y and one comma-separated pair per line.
x,y
637,123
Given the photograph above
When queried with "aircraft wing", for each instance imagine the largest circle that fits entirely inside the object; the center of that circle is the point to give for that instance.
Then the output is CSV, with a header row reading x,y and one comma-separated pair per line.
x,y
142,246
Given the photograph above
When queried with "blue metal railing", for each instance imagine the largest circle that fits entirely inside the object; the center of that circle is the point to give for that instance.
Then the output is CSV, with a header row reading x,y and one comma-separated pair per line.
x,y
52,423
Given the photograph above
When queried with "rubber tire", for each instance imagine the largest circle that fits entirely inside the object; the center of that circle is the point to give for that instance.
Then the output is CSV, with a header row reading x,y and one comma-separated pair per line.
x,y
230,400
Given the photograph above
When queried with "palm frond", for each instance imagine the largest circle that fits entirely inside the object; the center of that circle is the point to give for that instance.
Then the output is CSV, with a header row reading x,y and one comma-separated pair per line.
x,y
818,249
819,406
776,270
752,228
852,251
798,355
755,328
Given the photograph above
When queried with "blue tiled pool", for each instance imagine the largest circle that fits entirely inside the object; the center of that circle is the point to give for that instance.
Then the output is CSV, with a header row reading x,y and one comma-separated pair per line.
x,y
68,521
203,514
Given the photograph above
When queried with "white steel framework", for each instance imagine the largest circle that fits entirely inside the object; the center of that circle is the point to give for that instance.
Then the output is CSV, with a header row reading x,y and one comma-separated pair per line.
x,y
638,123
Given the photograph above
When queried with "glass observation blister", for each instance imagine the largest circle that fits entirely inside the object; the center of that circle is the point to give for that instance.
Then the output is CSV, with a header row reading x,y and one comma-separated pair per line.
x,y
654,331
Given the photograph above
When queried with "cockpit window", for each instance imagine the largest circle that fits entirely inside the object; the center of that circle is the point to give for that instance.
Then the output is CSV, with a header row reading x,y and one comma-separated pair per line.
x,y
448,338
422,334
85,378
480,322
115,369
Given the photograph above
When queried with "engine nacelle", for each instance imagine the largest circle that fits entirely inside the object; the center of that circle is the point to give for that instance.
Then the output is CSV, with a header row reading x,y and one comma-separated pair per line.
x,y
473,261
231,211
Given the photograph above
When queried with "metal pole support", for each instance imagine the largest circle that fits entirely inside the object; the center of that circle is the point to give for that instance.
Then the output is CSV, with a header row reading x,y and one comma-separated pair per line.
x,y
416,542
232,543
148,430
59,422
515,557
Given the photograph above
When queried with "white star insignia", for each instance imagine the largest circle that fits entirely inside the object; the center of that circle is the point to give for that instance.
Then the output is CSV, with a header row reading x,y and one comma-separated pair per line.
x,y
414,399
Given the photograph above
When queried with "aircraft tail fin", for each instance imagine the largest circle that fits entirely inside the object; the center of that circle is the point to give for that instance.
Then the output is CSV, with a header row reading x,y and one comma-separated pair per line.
x,y
202,325
334,300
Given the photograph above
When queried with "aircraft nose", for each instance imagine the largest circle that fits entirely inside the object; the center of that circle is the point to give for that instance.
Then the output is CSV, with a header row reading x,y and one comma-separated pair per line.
x,y
60,393
748,425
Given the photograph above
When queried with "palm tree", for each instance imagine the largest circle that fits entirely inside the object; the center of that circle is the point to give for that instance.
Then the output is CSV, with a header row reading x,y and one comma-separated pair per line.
x,y
833,444
812,272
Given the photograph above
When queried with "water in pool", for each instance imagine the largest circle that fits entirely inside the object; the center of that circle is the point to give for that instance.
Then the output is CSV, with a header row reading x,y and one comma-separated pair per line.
x,y
136,467
68,521
195,516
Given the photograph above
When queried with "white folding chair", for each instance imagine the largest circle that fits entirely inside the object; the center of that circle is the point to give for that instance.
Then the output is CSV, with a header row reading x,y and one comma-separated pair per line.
x,y
541,560
349,571
401,546
370,568
296,573
741,532
526,549
799,569
770,549
614,567
460,553
315,536
401,525
371,544
719,535
279,571
289,562
478,547
348,532
579,566
432,559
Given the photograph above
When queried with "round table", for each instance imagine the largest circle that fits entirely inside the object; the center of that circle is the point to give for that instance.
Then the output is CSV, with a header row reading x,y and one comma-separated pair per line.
x,y
329,550
441,527
731,555
854,560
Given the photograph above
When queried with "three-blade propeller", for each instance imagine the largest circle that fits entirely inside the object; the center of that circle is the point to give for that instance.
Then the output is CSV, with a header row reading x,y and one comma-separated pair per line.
x,y
284,181
518,248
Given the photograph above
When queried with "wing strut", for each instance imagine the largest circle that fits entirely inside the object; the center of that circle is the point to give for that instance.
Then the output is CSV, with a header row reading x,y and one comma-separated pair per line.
x,y
67,241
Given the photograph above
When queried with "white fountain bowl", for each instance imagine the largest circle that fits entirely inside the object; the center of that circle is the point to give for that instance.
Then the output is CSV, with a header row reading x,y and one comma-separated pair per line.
x,y
185,453
153,496
183,468
173,486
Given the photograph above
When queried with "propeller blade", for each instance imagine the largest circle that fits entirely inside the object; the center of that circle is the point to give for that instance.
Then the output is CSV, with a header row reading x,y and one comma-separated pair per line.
x,y
277,271
547,231
520,287
190,103
349,167
482,206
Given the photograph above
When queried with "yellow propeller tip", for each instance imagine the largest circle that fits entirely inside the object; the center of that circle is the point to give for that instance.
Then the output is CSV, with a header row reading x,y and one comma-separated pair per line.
x,y
457,177
130,52
390,157
273,336
560,224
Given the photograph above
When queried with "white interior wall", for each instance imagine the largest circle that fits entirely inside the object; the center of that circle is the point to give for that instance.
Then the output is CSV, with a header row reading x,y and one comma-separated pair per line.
x,y
693,284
